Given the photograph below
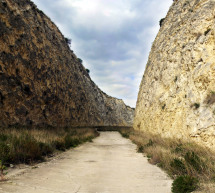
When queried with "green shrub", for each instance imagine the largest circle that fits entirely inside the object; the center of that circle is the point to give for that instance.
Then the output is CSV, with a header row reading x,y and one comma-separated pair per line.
x,y
126,135
184,184
68,41
196,105
88,71
80,60
161,21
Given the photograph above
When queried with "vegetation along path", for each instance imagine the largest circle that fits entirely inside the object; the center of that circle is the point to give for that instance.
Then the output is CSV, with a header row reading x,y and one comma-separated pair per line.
x,y
108,165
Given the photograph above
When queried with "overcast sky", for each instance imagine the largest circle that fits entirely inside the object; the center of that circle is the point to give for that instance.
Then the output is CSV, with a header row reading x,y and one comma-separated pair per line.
x,y
112,37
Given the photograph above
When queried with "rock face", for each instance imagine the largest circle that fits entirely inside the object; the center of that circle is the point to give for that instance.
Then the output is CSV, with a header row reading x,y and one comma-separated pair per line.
x,y
177,92
42,82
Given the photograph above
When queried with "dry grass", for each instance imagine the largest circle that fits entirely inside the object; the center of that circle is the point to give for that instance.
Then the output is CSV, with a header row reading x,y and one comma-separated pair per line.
x,y
177,157
206,188
22,145
49,135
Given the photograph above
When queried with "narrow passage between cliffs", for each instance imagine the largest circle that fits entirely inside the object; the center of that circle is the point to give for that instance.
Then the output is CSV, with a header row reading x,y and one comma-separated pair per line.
x,y
110,164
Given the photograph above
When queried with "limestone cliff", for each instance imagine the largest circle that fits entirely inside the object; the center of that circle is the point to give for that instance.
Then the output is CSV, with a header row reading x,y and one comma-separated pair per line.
x,y
177,92
42,82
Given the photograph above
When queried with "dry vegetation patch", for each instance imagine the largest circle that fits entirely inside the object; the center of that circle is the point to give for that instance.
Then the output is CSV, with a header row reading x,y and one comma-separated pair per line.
x,y
23,145
188,163
210,99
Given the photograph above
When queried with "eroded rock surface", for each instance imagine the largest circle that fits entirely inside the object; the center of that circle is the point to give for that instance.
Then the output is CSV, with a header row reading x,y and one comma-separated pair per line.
x,y
42,82
177,92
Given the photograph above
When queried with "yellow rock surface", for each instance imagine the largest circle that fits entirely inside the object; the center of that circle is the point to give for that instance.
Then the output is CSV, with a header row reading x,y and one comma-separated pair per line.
x,y
177,92
42,82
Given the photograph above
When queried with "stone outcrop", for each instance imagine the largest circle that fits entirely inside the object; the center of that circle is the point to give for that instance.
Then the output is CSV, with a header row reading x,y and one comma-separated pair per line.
x,y
177,92
42,82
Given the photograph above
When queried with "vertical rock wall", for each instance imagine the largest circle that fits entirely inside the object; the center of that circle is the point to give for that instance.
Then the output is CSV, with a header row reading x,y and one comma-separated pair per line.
x,y
177,92
42,82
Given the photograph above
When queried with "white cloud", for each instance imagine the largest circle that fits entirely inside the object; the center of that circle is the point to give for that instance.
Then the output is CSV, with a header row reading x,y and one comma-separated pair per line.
x,y
112,37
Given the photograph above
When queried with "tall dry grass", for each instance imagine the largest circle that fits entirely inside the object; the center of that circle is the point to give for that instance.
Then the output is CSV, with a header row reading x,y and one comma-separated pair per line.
x,y
177,157
22,145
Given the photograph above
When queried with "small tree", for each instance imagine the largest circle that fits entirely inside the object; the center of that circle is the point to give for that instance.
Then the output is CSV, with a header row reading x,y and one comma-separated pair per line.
x,y
68,41
88,71
161,21
80,60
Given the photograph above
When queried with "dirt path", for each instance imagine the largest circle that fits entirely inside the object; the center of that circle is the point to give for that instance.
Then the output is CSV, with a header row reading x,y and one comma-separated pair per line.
x,y
108,165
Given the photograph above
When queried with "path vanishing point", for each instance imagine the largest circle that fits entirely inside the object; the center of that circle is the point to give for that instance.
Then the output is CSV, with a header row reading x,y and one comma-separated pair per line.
x,y
108,165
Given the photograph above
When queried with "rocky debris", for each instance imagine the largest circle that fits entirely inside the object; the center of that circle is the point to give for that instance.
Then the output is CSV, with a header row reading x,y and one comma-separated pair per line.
x,y
42,82
176,96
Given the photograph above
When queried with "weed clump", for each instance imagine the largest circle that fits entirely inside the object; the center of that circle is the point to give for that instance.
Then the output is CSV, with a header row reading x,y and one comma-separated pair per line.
x,y
193,160
140,149
124,133
163,106
184,184
178,166
179,149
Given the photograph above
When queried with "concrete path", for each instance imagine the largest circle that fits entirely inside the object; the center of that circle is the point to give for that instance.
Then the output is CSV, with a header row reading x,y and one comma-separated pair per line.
x,y
108,165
